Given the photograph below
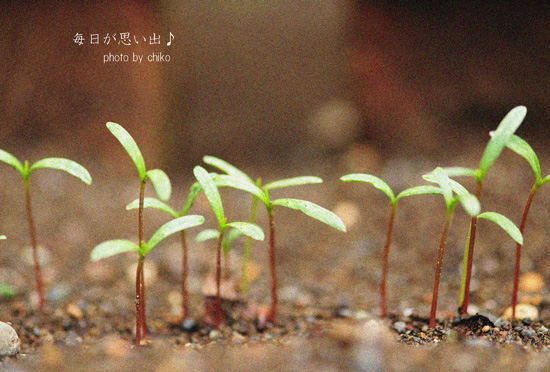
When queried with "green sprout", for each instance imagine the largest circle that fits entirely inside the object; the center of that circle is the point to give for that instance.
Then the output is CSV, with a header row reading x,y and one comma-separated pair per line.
x,y
310,209
157,204
26,170
385,188
471,205
112,247
162,186
212,194
522,148
494,147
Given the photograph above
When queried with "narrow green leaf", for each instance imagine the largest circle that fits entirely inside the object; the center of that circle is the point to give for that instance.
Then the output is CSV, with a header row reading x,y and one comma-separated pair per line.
x,y
373,180
248,229
207,234
496,144
8,158
171,227
295,181
112,247
233,234
438,176
130,146
470,204
153,203
6,290
505,223
226,167
523,149
313,210
69,166
418,190
194,190
222,180
459,171
211,192
161,183
544,180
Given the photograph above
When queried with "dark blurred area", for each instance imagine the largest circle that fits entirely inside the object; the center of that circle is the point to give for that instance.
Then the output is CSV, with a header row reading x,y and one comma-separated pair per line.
x,y
266,82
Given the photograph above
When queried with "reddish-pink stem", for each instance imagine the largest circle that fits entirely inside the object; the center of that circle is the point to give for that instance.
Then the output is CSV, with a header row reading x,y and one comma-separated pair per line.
x,y
32,230
385,264
272,260
219,311
184,265
438,268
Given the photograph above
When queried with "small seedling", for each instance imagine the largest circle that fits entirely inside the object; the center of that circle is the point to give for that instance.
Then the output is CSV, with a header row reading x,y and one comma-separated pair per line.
x,y
157,204
66,165
113,247
522,148
213,196
494,147
306,207
472,207
162,186
383,186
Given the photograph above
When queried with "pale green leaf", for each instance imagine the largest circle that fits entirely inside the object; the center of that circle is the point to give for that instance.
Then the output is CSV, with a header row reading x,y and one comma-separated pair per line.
x,y
418,190
248,229
207,234
8,158
153,203
222,180
69,166
211,192
313,210
373,180
470,204
295,181
438,176
226,167
459,171
496,144
3,237
544,180
130,146
6,290
194,190
161,183
523,149
233,234
111,248
171,227
505,224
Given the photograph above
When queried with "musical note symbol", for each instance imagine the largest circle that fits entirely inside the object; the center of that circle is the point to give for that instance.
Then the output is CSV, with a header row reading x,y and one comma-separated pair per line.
x,y
171,38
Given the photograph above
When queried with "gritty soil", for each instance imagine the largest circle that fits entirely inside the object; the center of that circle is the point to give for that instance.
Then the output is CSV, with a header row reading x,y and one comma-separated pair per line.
x,y
328,280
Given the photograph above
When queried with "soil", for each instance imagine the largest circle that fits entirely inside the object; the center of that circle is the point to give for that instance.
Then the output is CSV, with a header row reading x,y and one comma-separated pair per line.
x,y
329,315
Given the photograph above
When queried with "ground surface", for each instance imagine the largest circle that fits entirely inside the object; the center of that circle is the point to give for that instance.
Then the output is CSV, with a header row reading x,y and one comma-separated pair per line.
x,y
328,280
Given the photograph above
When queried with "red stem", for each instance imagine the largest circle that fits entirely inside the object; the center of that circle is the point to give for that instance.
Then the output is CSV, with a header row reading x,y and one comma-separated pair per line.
x,y
138,301
32,230
438,268
184,265
273,312
518,250
141,321
385,264
219,312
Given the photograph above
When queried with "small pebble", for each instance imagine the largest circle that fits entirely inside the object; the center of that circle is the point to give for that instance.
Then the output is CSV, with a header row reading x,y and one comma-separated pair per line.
x,y
543,329
528,332
400,327
531,282
74,311
189,325
523,311
486,329
214,334
9,341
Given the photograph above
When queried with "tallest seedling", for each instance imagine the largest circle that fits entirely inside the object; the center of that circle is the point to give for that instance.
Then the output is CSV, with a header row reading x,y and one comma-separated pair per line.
x,y
66,165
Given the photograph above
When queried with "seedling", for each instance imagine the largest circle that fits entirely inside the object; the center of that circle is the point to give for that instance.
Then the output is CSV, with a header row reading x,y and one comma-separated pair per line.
x,y
162,186
66,165
306,207
494,147
213,196
522,148
472,207
113,247
157,204
383,186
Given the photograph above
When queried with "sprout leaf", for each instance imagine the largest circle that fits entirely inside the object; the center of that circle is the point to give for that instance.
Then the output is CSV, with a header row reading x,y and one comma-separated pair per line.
x,y
313,210
69,166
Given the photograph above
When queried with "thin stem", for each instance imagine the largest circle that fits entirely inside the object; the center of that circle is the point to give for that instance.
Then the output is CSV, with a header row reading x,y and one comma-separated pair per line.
x,y
245,281
518,249
184,266
143,317
273,312
385,264
139,293
469,259
219,312
140,275
438,268
32,230
226,265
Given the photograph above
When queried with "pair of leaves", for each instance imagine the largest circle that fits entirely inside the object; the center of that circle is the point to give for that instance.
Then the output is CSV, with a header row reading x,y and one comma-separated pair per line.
x,y
158,178
113,247
69,166
238,229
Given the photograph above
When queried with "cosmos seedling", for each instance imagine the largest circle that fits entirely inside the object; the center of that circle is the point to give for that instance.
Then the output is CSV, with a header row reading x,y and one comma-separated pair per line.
x,y
472,207
163,188
26,170
157,204
308,208
522,148
113,247
213,196
494,147
383,186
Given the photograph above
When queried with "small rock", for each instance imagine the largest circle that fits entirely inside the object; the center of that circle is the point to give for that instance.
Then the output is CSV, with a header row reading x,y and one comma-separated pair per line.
x,y
74,311
237,338
400,327
523,311
528,332
543,329
9,341
485,329
215,334
531,282
189,325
